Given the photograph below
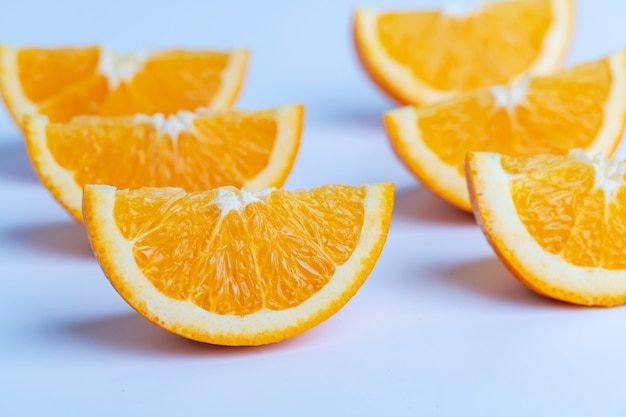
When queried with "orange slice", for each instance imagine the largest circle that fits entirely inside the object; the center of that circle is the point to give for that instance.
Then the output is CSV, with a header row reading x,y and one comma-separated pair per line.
x,y
422,56
234,267
62,83
195,151
557,222
580,107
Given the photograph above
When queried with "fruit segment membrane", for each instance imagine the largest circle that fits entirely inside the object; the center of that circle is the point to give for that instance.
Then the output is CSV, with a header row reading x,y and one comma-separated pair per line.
x,y
577,210
213,263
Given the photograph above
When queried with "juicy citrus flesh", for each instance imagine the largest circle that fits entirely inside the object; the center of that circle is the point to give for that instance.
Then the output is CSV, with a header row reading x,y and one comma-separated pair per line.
x,y
579,107
421,56
472,43
233,267
194,151
65,82
557,221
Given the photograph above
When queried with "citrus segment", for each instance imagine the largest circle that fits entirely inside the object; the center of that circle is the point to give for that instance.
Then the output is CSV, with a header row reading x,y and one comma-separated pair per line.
x,y
579,107
557,222
65,82
421,56
192,150
250,268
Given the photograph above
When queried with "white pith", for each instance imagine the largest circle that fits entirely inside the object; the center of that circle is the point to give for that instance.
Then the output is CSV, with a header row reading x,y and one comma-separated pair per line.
x,y
118,69
171,125
229,199
512,95
609,172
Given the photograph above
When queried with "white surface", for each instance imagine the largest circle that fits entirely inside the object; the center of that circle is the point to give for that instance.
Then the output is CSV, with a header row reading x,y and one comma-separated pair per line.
x,y
440,328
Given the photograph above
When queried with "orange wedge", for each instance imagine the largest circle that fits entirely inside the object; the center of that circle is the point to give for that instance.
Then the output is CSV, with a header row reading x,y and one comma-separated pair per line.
x,y
251,268
557,222
65,82
422,56
580,107
192,150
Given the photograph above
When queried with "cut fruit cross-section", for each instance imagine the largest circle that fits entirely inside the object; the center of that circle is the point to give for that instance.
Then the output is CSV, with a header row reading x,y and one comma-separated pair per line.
x,y
233,267
579,107
65,82
421,56
557,222
192,150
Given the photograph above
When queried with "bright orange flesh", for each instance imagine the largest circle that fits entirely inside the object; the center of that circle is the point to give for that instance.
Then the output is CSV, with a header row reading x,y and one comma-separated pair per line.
x,y
237,268
249,150
228,149
557,222
556,115
556,199
421,56
155,89
581,107
63,83
463,54
309,239
44,72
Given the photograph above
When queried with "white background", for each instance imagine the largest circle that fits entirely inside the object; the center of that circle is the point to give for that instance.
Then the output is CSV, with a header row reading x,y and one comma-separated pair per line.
x,y
440,328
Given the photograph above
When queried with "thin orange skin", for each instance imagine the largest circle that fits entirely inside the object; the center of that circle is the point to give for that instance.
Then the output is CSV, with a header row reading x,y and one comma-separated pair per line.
x,y
104,253
515,265
423,176
375,72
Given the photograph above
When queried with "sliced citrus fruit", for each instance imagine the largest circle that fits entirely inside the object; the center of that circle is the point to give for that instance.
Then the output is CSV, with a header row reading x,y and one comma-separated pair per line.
x,y
233,267
192,150
65,82
580,107
557,222
422,56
